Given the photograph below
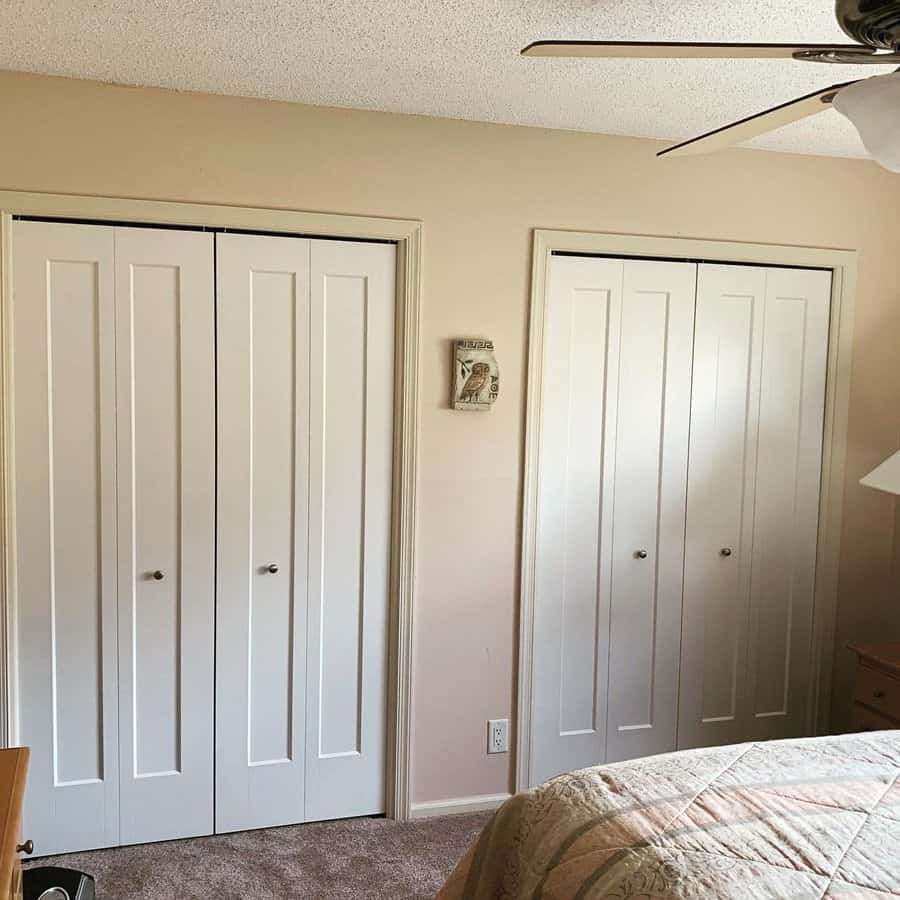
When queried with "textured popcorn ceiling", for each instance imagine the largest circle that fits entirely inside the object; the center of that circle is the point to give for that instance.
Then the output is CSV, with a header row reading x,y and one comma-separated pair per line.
x,y
456,58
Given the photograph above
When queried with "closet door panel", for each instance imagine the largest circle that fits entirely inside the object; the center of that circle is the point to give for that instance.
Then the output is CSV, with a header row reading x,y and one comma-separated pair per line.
x,y
649,393
792,401
273,448
755,468
584,308
351,426
65,533
263,401
721,488
165,386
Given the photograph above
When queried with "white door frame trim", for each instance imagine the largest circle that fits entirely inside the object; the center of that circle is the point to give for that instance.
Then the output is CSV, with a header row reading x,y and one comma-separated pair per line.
x,y
407,234
843,264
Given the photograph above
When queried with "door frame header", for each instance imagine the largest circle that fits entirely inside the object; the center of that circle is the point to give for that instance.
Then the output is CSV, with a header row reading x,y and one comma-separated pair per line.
x,y
407,234
843,265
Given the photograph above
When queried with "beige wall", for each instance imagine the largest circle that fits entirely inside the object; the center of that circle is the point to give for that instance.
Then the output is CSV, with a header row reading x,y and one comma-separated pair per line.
x,y
480,189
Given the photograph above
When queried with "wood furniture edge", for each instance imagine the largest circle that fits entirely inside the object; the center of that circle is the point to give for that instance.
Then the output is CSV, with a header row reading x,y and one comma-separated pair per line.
x,y
872,656
11,811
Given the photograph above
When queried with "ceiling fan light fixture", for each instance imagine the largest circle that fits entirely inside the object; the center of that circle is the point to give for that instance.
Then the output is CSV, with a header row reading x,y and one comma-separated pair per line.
x,y
873,106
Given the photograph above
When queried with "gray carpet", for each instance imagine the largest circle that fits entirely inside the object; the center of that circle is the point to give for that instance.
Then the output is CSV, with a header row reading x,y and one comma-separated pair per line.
x,y
370,859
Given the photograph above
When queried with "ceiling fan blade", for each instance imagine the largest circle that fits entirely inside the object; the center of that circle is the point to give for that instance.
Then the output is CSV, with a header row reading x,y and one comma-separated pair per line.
x,y
675,50
752,126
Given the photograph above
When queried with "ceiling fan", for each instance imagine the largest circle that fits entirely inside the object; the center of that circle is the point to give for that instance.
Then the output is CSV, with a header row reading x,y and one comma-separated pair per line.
x,y
872,104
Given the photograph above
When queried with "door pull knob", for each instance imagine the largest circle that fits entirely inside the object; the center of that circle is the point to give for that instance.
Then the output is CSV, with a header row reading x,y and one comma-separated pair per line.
x,y
641,554
158,575
27,848
272,569
726,551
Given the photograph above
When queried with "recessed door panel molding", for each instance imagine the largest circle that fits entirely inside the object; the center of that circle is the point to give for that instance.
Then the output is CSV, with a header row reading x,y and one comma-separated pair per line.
x,y
273,331
584,309
166,493
263,511
352,291
649,392
64,413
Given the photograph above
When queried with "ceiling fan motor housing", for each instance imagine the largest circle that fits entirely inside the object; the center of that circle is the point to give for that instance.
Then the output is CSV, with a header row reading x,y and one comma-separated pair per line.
x,y
875,23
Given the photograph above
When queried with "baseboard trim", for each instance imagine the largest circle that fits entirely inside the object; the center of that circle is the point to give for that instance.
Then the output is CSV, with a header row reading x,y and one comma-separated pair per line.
x,y
479,803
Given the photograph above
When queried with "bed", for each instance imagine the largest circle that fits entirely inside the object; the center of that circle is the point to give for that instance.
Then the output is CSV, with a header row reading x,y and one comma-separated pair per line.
x,y
818,817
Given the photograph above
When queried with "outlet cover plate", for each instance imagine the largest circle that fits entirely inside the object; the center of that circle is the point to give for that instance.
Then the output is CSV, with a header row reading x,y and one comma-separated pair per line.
x,y
498,736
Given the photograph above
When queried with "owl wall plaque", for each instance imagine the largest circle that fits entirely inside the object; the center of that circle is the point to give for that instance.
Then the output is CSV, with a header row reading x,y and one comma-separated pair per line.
x,y
476,377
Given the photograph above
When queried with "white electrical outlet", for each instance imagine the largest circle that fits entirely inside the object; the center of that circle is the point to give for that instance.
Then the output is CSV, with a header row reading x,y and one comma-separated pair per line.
x,y
498,736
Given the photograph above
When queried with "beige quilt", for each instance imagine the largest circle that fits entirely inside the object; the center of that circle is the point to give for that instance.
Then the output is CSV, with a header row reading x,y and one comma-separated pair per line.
x,y
818,817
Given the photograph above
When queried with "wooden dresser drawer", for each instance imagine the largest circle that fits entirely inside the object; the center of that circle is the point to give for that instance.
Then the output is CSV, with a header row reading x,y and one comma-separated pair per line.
x,y
864,719
878,690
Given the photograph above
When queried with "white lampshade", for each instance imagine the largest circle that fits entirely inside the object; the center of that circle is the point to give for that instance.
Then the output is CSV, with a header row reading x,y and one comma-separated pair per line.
x,y
873,106
885,477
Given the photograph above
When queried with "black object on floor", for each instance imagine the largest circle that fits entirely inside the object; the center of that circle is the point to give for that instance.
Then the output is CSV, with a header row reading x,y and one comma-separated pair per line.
x,y
54,883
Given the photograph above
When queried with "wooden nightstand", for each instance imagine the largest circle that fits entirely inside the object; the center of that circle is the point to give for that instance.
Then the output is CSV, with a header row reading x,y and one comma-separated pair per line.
x,y
876,692
13,765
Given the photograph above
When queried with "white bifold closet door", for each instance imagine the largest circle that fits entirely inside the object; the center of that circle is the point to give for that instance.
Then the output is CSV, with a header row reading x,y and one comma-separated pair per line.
x,y
64,408
166,547
610,526
114,467
305,400
753,502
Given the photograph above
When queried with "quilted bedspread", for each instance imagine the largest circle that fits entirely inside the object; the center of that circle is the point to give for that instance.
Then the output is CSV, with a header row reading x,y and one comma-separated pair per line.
x,y
818,817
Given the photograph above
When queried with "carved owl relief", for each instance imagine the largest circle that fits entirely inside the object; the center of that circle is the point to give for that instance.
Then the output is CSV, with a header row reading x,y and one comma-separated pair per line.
x,y
475,383
476,378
